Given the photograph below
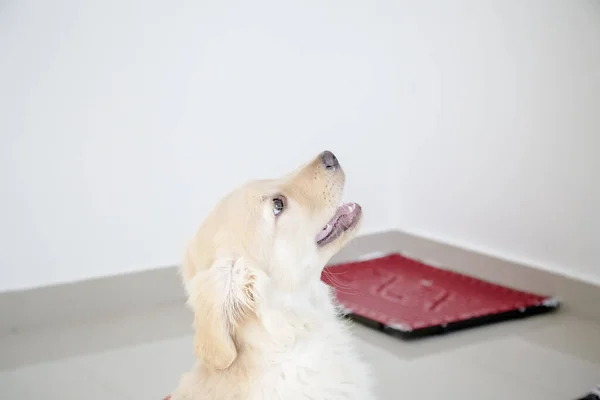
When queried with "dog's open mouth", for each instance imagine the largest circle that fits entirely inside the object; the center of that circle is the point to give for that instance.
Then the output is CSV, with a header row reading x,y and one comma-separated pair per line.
x,y
346,216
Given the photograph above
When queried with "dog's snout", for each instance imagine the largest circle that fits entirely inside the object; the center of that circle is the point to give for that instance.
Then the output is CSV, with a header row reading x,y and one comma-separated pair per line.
x,y
329,160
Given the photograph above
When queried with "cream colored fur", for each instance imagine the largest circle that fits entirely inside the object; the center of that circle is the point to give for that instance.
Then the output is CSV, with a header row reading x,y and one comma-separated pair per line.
x,y
266,327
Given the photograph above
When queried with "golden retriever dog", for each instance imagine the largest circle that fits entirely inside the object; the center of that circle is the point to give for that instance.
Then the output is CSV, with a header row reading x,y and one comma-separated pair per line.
x,y
266,326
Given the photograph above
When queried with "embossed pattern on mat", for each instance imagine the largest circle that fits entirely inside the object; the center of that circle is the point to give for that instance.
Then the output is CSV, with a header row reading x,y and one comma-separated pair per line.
x,y
409,296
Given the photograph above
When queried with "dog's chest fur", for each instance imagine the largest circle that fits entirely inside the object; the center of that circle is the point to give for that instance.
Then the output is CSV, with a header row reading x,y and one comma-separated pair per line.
x,y
311,354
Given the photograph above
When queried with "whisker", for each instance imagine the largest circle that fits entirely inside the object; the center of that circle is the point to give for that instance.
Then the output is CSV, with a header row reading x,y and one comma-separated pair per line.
x,y
340,286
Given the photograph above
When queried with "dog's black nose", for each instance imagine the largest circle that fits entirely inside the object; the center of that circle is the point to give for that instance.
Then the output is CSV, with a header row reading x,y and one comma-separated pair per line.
x,y
329,159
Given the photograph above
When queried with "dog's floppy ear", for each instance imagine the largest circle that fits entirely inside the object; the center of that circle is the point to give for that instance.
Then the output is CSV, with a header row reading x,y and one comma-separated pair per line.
x,y
221,297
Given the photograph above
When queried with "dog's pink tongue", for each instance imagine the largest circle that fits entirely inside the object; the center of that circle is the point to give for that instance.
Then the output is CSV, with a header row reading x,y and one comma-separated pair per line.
x,y
341,210
326,231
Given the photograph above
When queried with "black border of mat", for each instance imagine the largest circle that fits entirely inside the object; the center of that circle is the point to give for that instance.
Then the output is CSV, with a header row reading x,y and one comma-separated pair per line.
x,y
549,305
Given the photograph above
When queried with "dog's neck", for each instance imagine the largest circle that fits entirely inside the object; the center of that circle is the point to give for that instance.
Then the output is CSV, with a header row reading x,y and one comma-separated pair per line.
x,y
286,315
299,296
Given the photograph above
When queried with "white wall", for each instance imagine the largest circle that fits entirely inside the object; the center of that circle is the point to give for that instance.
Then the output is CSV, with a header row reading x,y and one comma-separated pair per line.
x,y
123,121
504,141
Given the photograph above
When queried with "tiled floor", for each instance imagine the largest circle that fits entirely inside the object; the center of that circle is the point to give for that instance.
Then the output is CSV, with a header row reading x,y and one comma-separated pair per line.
x,y
554,357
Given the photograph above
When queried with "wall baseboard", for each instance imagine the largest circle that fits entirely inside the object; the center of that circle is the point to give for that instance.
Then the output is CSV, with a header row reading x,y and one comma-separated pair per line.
x,y
143,291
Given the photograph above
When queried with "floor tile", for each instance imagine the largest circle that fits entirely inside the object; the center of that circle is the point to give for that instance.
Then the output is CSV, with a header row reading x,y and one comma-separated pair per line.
x,y
445,376
24,348
573,336
54,381
527,362
146,371
434,378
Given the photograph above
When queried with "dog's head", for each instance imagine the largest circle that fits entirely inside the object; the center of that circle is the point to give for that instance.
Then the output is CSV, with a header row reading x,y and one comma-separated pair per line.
x,y
285,229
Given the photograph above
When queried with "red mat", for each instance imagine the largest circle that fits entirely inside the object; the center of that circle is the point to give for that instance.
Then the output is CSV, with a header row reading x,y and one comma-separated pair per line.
x,y
398,294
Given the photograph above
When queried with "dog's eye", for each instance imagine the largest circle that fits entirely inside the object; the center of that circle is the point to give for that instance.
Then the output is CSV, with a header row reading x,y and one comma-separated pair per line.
x,y
278,205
